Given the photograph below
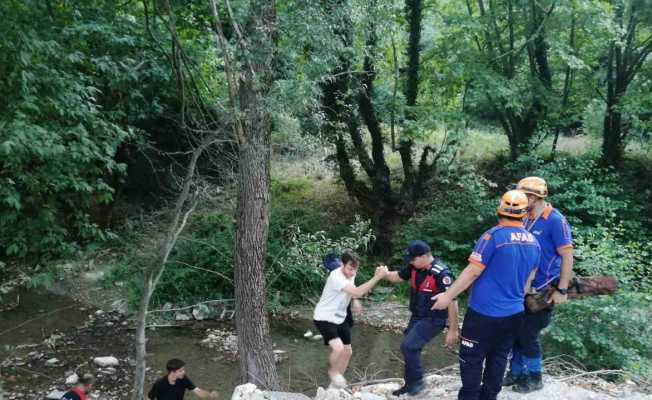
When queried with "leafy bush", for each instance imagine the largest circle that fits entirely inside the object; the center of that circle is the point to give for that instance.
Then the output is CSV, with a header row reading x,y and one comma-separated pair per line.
x,y
201,266
73,89
462,207
612,250
585,193
298,272
620,334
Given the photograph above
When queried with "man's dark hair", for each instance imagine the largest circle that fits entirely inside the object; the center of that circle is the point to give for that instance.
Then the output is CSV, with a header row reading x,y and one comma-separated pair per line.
x,y
174,364
349,257
86,379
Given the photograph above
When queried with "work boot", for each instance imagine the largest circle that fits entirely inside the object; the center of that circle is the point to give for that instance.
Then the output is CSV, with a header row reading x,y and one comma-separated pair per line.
x,y
415,388
531,383
511,379
400,391
412,389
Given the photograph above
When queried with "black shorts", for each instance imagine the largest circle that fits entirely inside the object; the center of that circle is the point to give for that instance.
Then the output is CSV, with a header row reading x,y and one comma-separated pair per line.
x,y
330,331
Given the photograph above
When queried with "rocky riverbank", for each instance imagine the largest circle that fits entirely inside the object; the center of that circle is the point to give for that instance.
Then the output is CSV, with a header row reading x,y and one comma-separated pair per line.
x,y
445,385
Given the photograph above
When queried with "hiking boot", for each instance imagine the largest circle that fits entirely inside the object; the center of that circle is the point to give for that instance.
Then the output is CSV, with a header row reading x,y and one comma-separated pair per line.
x,y
411,389
531,383
400,391
415,388
510,379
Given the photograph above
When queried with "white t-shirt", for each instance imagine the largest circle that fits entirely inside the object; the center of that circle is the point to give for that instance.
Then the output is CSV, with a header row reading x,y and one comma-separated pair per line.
x,y
334,300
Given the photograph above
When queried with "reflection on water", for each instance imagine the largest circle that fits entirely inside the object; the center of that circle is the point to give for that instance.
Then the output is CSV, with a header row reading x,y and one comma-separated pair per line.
x,y
39,313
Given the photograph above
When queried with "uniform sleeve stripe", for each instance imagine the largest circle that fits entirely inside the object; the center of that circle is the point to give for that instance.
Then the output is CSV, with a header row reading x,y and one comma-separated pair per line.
x,y
482,246
476,262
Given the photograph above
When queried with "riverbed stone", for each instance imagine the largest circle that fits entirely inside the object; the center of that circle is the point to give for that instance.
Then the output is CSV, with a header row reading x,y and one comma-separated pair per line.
x,y
368,396
201,312
269,395
182,317
72,379
333,394
55,395
109,361
52,362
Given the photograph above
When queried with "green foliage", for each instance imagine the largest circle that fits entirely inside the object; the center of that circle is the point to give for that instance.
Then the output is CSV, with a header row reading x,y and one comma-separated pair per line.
x,y
298,273
620,334
57,149
585,193
72,94
612,250
201,266
462,207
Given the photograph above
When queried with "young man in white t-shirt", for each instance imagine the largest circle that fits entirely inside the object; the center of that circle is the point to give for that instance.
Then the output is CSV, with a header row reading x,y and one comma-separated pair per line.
x,y
330,314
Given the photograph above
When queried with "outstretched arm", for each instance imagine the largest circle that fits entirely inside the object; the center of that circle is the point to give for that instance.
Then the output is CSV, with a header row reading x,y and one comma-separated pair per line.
x,y
363,289
205,394
467,277
394,277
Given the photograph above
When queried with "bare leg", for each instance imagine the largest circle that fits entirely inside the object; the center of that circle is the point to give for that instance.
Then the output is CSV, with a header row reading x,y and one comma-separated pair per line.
x,y
337,349
344,359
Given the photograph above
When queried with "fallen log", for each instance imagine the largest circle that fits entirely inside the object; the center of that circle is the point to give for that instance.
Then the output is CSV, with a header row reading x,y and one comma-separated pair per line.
x,y
580,286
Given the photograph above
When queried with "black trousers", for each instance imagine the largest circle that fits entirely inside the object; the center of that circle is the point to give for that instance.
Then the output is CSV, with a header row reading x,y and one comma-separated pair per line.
x,y
528,338
485,340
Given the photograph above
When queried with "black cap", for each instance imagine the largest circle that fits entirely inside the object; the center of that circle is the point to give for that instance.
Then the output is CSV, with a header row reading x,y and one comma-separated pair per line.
x,y
416,248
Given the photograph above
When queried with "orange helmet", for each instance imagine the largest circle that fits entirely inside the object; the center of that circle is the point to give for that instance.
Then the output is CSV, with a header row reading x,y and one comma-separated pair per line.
x,y
533,185
513,204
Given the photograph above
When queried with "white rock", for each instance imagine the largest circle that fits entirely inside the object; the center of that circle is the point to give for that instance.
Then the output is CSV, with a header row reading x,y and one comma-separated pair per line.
x,y
201,312
55,395
269,395
245,392
182,317
72,379
333,394
106,361
99,312
368,396
51,362
308,334
317,337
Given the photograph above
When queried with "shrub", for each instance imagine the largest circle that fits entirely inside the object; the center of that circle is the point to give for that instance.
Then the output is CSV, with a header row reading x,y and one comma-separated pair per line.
x,y
585,193
298,272
620,335
461,208
612,250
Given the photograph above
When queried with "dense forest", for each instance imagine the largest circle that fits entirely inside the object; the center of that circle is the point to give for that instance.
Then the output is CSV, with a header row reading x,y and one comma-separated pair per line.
x,y
250,138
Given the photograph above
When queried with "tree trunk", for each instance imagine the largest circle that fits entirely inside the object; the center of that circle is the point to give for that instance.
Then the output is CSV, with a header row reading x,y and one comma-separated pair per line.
x,y
612,144
141,340
254,340
254,343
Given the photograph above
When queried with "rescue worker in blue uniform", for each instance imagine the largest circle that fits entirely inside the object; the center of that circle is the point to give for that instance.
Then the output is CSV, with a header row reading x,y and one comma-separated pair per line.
x,y
554,272
500,268
427,276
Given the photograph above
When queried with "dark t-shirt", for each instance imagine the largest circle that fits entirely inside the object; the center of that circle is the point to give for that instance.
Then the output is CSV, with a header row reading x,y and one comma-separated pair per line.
x,y
162,390
74,394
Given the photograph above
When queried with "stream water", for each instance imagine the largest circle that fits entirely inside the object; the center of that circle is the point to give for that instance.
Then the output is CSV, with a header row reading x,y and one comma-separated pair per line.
x,y
376,353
